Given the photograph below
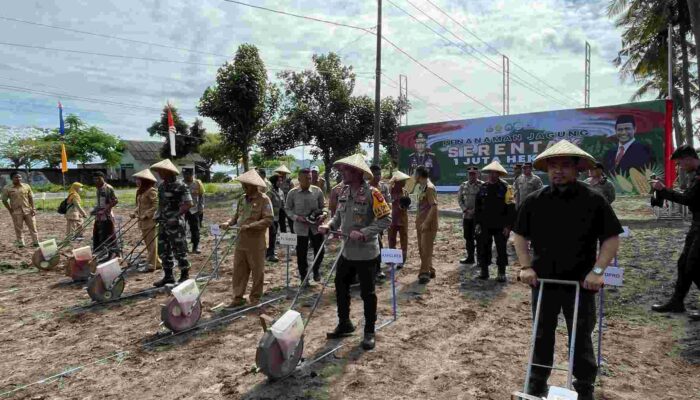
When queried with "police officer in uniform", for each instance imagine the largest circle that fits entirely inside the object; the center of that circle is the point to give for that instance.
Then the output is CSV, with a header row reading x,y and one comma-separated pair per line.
x,y
598,182
423,157
494,212
525,184
467,199
689,261
174,201
362,214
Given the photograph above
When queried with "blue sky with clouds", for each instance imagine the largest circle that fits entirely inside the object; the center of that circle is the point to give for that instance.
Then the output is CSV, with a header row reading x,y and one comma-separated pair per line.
x,y
545,38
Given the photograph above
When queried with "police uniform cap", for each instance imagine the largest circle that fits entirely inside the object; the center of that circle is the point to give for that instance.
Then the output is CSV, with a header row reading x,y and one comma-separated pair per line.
x,y
684,151
421,135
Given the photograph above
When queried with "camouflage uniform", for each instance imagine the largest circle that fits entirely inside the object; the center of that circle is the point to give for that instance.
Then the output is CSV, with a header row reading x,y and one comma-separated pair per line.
x,y
524,185
604,187
172,237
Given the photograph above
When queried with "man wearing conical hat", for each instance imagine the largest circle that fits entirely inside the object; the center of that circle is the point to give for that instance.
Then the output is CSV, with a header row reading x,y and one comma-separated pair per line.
x,y
525,184
362,215
467,201
426,223
195,215
286,185
174,201
400,201
563,224
494,212
103,228
253,217
146,206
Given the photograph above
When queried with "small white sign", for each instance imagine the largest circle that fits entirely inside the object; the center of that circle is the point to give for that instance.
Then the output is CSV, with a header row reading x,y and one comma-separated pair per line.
x,y
215,229
557,393
43,195
288,239
626,232
613,276
392,256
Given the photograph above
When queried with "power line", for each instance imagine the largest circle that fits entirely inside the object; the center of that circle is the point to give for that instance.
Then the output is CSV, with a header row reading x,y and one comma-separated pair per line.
x,y
422,100
515,78
498,52
298,15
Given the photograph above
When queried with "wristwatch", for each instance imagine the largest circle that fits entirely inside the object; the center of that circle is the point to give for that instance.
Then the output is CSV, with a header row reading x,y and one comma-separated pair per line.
x,y
598,270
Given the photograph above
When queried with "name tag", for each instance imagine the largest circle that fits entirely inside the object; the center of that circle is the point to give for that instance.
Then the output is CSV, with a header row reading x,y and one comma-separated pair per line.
x,y
614,276
288,239
392,256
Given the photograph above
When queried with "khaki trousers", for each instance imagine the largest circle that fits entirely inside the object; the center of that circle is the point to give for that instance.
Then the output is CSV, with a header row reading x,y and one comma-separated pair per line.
x,y
72,225
148,232
402,232
426,240
245,263
18,220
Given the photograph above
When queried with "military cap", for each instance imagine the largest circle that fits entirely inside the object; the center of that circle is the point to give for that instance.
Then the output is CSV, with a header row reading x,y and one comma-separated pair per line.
x,y
472,169
527,164
421,135
684,151
188,171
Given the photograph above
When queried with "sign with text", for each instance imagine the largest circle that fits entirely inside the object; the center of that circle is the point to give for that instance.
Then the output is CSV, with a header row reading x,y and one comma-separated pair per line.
x,y
288,239
613,276
215,229
392,256
447,148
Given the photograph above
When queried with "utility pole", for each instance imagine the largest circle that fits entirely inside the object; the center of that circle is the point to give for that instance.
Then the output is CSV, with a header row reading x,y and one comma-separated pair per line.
x,y
587,88
378,83
670,62
403,96
506,83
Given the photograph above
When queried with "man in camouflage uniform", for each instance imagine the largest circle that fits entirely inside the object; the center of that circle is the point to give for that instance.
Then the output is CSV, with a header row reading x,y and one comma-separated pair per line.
x,y
192,217
362,214
599,183
423,157
494,214
174,201
525,184
467,198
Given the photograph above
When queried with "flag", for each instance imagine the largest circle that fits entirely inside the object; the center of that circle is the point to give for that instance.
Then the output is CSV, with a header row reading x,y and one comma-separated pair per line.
x,y
171,131
61,129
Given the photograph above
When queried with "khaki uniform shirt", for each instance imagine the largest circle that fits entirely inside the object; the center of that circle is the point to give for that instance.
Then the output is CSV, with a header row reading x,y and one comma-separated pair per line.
x,y
106,200
301,203
524,185
364,210
197,192
399,216
146,206
427,198
467,197
18,197
256,213
333,198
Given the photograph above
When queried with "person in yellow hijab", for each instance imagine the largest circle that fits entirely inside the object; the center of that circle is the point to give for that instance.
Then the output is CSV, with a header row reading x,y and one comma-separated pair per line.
x,y
75,213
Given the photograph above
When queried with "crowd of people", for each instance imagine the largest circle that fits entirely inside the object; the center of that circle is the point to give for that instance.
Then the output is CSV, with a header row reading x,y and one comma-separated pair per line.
x,y
564,231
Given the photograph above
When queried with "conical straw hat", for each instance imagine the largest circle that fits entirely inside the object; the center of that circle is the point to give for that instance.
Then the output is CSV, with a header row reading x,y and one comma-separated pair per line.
x,y
166,165
252,178
399,176
496,167
564,148
283,169
356,161
145,174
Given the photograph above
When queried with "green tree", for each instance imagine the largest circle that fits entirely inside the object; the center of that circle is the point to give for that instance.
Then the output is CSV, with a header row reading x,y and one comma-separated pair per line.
x,y
215,151
187,138
242,102
21,149
85,143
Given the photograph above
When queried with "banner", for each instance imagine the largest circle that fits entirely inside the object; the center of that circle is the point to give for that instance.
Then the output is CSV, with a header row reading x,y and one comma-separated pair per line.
x,y
630,140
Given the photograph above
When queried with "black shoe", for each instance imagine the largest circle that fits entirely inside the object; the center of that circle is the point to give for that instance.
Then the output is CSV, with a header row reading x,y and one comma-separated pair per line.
x,y
368,341
184,275
694,316
432,274
423,278
398,266
317,276
381,276
484,274
537,389
167,279
501,278
344,329
467,260
671,306
273,259
585,391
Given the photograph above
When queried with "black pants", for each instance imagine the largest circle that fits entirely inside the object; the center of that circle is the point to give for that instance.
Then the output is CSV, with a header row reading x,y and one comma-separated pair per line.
x,y
103,231
193,222
284,221
303,252
201,219
469,236
345,272
688,265
272,239
488,235
556,298
378,260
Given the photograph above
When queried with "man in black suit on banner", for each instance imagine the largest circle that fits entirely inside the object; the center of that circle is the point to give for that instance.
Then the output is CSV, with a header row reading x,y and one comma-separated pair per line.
x,y
629,153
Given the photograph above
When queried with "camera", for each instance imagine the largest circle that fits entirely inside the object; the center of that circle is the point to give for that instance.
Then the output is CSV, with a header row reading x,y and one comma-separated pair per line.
x,y
656,200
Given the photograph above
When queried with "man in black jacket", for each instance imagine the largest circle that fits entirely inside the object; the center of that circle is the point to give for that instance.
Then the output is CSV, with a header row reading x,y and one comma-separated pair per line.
x,y
689,261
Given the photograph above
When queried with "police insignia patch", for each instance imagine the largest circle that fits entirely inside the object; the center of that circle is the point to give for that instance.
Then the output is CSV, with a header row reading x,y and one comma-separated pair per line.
x,y
379,206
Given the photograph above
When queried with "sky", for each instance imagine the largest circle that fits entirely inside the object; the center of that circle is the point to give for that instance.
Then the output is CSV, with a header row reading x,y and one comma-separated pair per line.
x,y
544,40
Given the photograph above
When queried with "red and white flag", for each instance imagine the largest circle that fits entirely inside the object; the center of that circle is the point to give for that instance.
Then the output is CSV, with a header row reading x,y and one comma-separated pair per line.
x,y
171,131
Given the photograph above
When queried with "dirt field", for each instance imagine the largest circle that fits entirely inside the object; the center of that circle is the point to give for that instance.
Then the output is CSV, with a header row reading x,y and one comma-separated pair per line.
x,y
455,338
